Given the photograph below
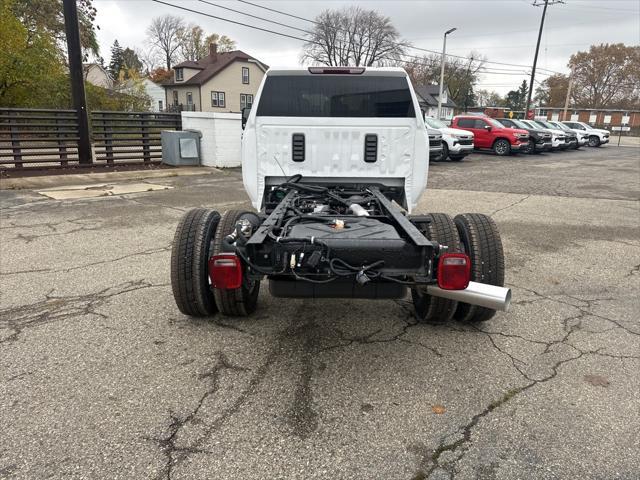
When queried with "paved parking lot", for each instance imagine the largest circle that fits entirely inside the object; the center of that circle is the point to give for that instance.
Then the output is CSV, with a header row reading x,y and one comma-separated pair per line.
x,y
102,377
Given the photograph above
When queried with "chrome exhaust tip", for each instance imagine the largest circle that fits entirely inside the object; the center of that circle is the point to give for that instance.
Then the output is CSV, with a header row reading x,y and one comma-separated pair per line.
x,y
481,294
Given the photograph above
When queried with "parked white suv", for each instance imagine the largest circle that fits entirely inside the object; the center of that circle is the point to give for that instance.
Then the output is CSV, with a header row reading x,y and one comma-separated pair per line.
x,y
597,136
581,135
558,138
456,143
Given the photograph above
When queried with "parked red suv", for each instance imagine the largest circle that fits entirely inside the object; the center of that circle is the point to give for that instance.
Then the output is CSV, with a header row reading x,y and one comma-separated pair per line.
x,y
491,134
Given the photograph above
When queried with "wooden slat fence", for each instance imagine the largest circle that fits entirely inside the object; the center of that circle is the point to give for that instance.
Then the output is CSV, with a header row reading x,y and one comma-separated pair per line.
x,y
44,138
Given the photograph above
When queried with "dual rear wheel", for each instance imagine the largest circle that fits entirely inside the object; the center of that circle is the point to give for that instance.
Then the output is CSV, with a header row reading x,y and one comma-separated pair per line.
x,y
199,236
476,235
201,232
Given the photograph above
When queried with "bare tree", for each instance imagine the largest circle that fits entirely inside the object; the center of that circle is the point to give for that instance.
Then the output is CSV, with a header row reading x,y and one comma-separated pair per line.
x,y
225,44
195,45
486,98
150,58
460,74
163,33
353,37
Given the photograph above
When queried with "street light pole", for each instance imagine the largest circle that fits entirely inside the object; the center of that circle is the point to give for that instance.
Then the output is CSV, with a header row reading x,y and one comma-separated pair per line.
x,y
444,51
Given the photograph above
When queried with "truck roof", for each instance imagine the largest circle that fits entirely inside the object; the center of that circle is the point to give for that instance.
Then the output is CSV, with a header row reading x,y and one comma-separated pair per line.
x,y
367,71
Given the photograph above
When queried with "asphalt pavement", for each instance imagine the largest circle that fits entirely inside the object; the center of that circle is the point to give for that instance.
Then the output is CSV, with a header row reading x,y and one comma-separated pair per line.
x,y
102,377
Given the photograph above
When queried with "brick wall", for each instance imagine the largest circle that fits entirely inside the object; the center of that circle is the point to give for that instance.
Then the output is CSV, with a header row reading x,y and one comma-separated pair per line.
x,y
597,118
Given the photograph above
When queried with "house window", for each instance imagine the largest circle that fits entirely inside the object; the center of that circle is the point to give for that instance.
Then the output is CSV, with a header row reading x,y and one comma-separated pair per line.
x,y
246,100
189,98
217,99
179,75
245,75
175,97
159,105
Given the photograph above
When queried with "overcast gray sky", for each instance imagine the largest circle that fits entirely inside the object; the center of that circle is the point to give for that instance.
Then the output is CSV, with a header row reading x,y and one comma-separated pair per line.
x,y
501,30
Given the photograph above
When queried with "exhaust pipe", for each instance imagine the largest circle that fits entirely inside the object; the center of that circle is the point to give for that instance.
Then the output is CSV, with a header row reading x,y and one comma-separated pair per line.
x,y
481,294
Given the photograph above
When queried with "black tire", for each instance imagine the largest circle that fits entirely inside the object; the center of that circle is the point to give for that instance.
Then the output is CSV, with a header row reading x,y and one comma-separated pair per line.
x,y
530,148
594,141
481,242
456,158
502,147
445,151
428,308
239,302
189,262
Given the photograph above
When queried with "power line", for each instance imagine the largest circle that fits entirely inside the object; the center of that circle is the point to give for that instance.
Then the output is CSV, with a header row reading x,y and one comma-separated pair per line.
x,y
227,20
266,30
415,48
565,26
278,11
255,16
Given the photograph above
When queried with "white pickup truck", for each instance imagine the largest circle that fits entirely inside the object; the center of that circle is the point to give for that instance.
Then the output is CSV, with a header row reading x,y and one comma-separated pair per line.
x,y
333,160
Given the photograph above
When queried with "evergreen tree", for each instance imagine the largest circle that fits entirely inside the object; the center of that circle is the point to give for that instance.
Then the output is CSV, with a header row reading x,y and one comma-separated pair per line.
x,y
131,64
117,60
516,99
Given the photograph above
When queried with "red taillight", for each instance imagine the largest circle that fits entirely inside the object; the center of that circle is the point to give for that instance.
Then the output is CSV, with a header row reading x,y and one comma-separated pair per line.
x,y
337,70
225,271
454,271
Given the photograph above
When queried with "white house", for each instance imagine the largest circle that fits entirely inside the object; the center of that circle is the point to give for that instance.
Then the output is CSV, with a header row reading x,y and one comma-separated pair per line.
x,y
156,94
428,99
96,74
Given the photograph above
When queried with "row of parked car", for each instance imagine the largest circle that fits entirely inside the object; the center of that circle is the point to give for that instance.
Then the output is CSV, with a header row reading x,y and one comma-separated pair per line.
x,y
505,136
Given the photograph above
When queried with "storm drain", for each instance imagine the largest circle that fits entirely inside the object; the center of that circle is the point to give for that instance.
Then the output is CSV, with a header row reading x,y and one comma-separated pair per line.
x,y
100,190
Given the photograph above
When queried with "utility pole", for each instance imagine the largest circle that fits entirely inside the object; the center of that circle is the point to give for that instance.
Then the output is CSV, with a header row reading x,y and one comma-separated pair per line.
x,y
444,50
566,100
468,85
535,58
77,79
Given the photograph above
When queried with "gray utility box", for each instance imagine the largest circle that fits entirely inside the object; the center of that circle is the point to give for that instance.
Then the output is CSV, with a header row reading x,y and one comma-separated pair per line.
x,y
181,147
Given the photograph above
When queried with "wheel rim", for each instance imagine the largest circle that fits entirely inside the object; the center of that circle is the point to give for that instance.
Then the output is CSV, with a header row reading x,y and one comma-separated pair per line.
x,y
501,148
593,141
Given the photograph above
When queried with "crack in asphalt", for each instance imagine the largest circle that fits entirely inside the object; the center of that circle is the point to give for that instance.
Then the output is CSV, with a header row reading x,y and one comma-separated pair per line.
x,y
82,227
151,251
517,202
589,303
430,460
174,455
300,411
54,308
365,339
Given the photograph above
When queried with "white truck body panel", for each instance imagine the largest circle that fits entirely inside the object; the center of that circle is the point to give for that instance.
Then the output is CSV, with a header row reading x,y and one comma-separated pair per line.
x,y
335,147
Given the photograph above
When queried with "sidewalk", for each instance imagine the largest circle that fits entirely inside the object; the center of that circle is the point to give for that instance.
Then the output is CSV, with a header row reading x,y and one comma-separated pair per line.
x,y
624,141
52,181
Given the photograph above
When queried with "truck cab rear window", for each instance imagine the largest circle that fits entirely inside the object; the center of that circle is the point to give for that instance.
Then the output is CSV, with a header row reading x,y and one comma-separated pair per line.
x,y
335,96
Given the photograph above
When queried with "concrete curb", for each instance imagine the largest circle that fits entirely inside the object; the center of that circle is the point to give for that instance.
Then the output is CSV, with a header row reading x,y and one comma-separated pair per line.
x,y
53,181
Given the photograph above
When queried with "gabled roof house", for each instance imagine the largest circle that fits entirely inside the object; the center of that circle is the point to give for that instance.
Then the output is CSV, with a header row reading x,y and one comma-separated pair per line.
x,y
219,82
428,99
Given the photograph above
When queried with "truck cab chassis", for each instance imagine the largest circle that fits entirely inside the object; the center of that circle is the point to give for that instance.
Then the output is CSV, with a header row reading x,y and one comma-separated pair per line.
x,y
346,232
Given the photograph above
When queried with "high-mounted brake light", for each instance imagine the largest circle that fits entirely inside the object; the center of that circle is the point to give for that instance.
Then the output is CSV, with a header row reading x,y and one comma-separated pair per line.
x,y
225,271
337,70
454,271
